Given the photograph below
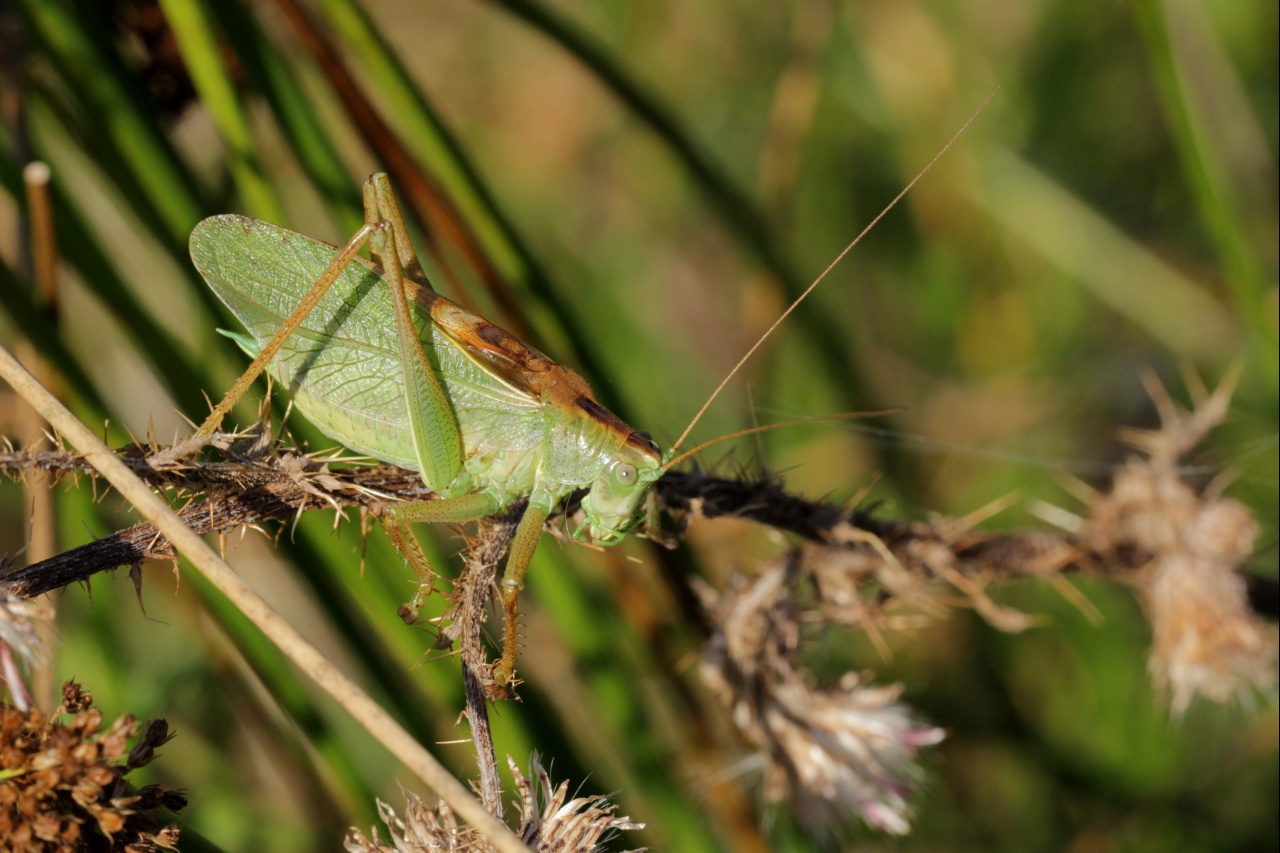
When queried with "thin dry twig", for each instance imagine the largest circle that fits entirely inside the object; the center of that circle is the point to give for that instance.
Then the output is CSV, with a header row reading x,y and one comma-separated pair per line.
x,y
467,615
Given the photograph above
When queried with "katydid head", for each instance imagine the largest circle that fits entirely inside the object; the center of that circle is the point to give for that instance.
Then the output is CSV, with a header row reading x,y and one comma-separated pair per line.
x,y
613,500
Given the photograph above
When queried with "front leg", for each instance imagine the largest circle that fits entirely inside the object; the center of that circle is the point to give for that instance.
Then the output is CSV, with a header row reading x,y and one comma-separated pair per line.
x,y
397,518
523,544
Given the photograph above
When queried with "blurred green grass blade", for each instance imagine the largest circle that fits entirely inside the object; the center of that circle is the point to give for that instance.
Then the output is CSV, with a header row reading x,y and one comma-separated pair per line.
x,y
193,29
38,328
284,687
451,240
77,120
1117,270
434,146
736,208
296,116
426,134
81,118
424,701
1208,181
115,176
80,248
77,41
317,547
362,610
423,708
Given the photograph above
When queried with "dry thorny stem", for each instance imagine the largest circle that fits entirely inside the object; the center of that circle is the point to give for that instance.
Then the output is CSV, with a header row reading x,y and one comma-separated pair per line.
x,y
259,479
466,617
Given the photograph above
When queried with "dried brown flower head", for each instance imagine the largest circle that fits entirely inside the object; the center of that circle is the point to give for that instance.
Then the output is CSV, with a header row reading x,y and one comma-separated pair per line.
x,y
549,821
1206,640
833,753
63,786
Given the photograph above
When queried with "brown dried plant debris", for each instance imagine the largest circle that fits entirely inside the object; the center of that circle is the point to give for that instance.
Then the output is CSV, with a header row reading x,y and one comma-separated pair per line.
x,y
63,785
548,821
833,753
1183,551
1189,547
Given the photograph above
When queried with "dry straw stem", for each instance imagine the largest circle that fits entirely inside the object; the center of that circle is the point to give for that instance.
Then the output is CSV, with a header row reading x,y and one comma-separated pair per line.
x,y
345,692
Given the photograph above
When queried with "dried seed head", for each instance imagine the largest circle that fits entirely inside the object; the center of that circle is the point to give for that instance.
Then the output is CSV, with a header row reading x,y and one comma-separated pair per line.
x,y
833,753
549,821
62,788
422,830
1206,640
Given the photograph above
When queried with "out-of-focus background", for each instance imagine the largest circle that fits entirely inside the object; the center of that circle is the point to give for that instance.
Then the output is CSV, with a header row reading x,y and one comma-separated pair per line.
x,y
652,182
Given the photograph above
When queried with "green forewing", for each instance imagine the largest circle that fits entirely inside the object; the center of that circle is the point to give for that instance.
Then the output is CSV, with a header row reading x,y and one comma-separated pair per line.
x,y
341,367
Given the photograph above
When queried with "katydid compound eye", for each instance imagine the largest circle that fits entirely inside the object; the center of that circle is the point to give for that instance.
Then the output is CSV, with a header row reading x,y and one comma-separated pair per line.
x,y
625,472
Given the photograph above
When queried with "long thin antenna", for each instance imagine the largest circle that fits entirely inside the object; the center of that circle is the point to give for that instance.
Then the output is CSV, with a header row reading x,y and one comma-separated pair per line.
x,y
846,416
801,298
